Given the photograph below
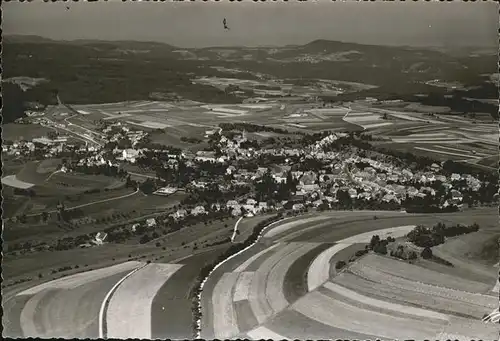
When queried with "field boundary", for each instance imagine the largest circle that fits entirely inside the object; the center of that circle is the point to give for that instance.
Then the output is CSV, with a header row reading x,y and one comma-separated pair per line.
x,y
200,290
107,298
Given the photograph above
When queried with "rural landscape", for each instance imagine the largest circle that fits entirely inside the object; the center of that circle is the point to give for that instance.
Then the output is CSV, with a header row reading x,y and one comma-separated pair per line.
x,y
321,190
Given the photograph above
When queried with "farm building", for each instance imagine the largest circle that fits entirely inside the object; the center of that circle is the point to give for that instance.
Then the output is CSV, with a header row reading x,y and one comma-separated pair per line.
x,y
179,214
198,210
236,211
100,237
231,203
165,191
297,207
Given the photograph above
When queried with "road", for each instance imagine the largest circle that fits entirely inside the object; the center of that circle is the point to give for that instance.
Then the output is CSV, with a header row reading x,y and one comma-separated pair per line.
x,y
91,203
235,229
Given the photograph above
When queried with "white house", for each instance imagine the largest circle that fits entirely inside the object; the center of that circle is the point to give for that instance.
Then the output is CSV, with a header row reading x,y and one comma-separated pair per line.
x,y
251,201
456,195
249,208
100,237
297,207
236,212
135,226
231,203
151,222
179,214
198,210
352,193
130,155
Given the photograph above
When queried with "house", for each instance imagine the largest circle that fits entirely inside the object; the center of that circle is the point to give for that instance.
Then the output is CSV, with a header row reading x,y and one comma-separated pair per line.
x,y
151,222
261,171
135,226
279,179
165,191
435,167
198,210
353,193
249,208
251,201
100,237
317,203
308,178
179,214
263,205
232,203
456,195
389,198
130,155
297,207
455,177
236,212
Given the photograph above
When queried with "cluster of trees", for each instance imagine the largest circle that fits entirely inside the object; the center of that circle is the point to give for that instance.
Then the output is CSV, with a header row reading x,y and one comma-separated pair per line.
x,y
401,254
67,215
19,281
346,202
26,192
340,264
193,140
148,186
269,189
205,271
252,128
165,224
105,169
421,205
379,245
425,237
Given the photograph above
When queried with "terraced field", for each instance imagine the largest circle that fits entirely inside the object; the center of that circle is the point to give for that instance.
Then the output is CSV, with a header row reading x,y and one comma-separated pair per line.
x,y
289,288
285,286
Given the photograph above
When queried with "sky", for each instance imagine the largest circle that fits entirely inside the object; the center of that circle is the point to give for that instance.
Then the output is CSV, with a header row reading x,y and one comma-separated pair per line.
x,y
199,24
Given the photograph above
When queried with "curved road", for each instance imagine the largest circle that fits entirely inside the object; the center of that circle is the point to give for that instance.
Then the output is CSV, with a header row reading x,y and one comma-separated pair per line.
x,y
92,203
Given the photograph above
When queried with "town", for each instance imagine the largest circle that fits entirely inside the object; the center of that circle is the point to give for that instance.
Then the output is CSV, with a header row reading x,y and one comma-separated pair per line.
x,y
235,174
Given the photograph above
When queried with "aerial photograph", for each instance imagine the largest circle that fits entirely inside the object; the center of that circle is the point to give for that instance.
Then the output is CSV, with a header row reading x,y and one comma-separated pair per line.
x,y
250,170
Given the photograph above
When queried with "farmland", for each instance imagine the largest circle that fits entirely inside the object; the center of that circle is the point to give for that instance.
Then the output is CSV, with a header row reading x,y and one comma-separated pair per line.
x,y
271,290
145,228
373,288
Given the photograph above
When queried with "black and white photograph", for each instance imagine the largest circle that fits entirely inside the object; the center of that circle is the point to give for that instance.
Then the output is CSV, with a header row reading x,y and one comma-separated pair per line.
x,y
280,170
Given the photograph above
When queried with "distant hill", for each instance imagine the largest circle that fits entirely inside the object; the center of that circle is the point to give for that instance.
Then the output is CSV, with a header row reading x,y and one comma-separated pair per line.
x,y
34,39
98,71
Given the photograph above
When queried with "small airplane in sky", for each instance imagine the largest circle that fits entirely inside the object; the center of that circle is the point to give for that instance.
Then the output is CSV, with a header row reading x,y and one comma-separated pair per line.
x,y
225,24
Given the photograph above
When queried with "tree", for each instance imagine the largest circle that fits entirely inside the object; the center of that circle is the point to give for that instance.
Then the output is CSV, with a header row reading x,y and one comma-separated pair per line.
x,y
340,264
144,239
426,253
374,241
52,135
381,248
45,216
